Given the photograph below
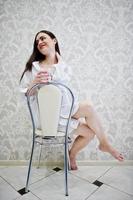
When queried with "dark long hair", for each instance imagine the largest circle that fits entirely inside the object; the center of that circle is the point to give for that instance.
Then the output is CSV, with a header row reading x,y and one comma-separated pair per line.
x,y
36,55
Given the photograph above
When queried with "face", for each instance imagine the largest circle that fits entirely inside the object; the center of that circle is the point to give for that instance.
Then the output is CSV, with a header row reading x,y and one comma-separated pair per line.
x,y
45,43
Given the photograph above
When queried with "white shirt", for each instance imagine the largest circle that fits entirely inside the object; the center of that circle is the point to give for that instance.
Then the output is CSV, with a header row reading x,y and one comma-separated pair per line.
x,y
62,74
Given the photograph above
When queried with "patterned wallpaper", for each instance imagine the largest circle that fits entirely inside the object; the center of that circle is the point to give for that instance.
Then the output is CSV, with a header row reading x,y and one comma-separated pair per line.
x,y
96,39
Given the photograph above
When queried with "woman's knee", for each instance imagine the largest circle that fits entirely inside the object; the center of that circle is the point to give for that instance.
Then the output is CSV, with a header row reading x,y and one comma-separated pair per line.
x,y
88,108
85,131
85,109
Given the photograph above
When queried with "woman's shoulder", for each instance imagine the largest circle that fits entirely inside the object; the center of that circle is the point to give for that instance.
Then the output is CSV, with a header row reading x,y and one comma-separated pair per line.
x,y
62,62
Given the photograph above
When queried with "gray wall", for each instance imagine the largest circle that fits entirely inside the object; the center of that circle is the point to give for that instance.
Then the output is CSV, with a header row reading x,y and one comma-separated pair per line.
x,y
96,38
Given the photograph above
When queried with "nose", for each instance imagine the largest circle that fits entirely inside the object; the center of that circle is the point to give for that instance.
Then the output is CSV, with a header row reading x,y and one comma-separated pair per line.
x,y
40,41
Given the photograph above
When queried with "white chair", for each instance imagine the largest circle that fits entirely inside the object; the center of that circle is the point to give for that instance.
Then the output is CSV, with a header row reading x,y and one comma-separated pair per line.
x,y
49,97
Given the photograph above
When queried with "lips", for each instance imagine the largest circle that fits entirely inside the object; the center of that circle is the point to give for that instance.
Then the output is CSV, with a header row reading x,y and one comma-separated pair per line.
x,y
42,45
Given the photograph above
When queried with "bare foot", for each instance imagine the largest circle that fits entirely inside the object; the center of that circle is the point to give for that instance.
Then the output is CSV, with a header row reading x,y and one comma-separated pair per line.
x,y
73,165
117,155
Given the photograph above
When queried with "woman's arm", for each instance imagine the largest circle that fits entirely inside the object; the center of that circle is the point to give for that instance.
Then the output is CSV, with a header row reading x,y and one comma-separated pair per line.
x,y
28,81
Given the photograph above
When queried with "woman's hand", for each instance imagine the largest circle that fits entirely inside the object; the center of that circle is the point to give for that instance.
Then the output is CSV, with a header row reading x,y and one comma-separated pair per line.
x,y
41,77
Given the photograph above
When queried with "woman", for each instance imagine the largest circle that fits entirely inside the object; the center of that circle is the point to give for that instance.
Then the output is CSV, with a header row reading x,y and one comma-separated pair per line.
x,y
45,57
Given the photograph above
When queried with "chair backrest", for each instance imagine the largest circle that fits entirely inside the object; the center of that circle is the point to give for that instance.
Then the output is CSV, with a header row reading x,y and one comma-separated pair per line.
x,y
49,102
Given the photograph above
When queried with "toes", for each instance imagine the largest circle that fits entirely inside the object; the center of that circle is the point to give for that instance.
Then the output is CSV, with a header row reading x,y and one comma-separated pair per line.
x,y
74,167
120,157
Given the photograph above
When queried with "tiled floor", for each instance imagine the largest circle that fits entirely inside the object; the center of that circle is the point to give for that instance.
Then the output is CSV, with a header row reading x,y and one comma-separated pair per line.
x,y
87,183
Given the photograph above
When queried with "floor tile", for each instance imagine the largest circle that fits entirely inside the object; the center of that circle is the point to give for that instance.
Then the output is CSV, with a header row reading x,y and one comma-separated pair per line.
x,y
90,173
120,177
16,176
108,193
1,180
52,188
28,196
47,184
7,192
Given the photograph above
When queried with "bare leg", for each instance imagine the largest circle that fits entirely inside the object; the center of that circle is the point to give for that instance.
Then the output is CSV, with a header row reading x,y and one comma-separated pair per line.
x,y
86,111
85,135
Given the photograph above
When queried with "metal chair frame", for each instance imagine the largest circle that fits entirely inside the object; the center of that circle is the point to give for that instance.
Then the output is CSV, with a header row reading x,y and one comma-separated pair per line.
x,y
66,141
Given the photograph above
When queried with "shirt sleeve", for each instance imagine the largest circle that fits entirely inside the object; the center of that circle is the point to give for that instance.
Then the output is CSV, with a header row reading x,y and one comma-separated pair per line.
x,y
25,82
62,73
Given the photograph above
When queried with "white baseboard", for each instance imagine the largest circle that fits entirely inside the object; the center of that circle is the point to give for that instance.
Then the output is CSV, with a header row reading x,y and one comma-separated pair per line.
x,y
80,163
105,163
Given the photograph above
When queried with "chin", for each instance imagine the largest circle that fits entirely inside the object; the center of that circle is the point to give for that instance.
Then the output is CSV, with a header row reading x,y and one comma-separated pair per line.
x,y
43,53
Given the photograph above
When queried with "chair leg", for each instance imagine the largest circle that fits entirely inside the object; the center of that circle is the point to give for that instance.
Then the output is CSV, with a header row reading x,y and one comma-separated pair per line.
x,y
29,169
69,166
66,169
39,157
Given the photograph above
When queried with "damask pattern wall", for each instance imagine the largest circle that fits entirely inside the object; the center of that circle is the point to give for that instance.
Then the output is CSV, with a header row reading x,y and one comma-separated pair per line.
x,y
96,39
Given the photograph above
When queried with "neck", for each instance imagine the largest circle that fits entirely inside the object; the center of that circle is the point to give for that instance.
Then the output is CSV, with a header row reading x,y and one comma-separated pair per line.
x,y
50,59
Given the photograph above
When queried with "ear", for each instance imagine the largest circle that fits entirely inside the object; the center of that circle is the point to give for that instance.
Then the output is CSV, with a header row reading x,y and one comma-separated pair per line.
x,y
55,41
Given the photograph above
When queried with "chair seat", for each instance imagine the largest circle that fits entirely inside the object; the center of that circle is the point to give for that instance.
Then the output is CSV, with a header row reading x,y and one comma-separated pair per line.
x,y
39,132
60,139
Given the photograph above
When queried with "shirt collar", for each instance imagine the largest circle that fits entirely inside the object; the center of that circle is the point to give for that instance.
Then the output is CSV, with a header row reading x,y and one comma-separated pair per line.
x,y
36,65
38,68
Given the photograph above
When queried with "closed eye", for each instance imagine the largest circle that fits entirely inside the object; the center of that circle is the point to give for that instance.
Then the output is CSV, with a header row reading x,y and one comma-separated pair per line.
x,y
42,38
